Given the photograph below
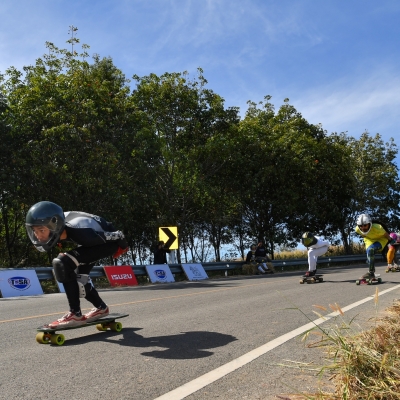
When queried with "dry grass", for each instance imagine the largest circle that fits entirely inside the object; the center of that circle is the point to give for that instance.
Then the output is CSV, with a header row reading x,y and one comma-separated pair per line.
x,y
362,364
248,269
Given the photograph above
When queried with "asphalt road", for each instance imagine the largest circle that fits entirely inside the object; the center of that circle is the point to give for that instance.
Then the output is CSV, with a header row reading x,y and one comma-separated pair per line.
x,y
229,338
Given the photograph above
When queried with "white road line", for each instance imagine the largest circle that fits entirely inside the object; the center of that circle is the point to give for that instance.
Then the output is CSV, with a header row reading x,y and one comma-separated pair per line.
x,y
218,373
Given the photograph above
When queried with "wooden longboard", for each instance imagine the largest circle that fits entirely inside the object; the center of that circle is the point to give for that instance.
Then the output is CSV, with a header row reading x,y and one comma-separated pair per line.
x,y
46,334
368,281
312,279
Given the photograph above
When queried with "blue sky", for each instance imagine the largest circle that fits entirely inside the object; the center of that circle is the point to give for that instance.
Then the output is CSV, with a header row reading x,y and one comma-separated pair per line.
x,y
337,61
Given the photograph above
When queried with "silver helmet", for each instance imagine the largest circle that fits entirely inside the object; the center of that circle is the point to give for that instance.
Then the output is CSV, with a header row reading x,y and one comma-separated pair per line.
x,y
362,220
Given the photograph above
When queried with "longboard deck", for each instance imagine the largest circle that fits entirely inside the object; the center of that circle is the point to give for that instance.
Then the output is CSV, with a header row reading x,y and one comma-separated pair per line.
x,y
47,335
312,279
367,281
109,318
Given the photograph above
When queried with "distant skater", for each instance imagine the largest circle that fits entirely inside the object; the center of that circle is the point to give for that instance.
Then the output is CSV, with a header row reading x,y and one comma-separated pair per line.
x,y
316,247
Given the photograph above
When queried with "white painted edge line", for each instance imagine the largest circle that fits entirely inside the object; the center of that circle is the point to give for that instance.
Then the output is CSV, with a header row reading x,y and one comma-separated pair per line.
x,y
218,373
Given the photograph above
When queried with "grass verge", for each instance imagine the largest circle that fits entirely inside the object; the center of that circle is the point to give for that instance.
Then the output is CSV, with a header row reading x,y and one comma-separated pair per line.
x,y
363,364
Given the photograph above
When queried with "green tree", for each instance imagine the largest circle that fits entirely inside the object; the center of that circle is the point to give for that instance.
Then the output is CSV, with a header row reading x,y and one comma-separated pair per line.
x,y
272,160
332,188
12,232
74,127
184,116
375,185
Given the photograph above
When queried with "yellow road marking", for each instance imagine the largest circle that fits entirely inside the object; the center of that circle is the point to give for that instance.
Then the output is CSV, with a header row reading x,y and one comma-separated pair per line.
x,y
141,301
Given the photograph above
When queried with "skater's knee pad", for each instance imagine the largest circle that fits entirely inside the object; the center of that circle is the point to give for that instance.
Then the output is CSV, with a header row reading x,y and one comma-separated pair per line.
x,y
64,268
370,252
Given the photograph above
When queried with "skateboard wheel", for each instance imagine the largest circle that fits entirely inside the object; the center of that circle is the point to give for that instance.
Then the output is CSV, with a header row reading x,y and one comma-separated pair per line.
x,y
57,339
357,282
301,281
101,327
379,280
42,338
321,279
116,326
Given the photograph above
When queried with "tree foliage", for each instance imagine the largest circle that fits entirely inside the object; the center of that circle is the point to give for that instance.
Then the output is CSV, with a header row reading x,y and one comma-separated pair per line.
x,y
169,153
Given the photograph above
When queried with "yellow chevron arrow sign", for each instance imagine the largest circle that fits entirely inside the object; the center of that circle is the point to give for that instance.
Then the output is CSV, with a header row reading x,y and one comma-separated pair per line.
x,y
169,235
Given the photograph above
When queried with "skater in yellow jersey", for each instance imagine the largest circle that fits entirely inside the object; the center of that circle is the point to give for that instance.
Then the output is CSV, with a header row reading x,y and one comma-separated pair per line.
x,y
375,239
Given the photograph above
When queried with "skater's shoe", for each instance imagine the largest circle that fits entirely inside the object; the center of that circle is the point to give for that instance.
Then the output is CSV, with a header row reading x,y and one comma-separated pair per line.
x,y
96,313
261,270
69,319
311,273
390,267
368,275
393,267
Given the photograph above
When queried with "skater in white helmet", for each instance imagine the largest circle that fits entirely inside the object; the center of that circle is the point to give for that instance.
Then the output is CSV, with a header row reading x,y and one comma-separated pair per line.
x,y
375,239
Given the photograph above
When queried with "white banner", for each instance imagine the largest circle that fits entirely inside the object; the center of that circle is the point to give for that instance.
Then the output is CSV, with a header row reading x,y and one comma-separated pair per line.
x,y
194,272
159,273
19,282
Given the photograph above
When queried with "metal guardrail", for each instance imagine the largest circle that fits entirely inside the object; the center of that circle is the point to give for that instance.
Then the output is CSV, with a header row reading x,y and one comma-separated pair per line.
x,y
44,273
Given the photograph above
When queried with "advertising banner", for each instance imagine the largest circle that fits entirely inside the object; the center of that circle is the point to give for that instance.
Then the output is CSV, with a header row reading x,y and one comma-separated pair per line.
x,y
194,272
120,275
19,282
159,273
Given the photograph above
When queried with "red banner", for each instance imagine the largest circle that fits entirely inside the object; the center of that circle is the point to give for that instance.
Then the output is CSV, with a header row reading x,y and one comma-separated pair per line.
x,y
120,275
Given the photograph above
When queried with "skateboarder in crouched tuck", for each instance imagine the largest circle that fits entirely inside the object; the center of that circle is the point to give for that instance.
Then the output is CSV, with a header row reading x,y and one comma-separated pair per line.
x,y
47,225
316,247
375,239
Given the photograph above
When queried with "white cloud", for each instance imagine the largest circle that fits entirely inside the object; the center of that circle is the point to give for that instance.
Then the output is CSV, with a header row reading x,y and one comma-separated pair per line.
x,y
362,103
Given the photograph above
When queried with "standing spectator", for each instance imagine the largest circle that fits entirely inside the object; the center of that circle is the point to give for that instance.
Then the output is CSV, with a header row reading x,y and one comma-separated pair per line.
x,y
160,254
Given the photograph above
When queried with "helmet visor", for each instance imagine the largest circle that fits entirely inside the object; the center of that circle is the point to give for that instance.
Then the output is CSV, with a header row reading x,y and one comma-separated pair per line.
x,y
364,228
307,241
40,235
